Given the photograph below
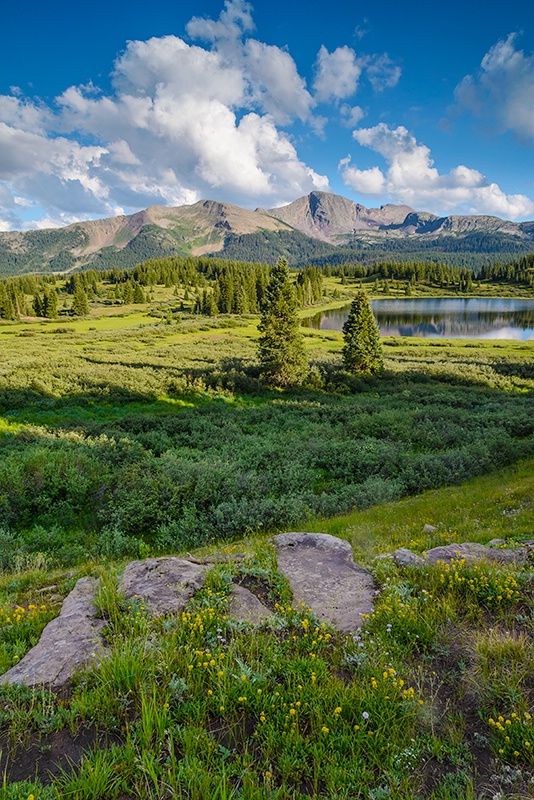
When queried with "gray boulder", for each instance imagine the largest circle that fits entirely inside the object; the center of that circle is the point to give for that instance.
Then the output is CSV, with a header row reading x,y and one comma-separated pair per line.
x,y
70,641
163,584
472,551
403,557
244,605
323,576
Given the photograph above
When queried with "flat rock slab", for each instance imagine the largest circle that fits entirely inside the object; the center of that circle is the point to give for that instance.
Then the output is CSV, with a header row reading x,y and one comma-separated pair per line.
x,y
472,551
163,584
70,641
244,605
322,574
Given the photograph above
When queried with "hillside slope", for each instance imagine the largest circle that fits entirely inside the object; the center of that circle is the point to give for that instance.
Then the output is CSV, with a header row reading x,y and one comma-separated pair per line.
x,y
318,227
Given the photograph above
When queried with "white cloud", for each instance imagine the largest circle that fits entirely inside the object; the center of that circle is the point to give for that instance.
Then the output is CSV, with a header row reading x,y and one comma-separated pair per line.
x,y
337,75
352,116
233,21
411,178
502,89
383,73
182,122
275,83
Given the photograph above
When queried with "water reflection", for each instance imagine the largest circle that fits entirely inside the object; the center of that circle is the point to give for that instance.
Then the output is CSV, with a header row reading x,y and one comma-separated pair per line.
x,y
473,318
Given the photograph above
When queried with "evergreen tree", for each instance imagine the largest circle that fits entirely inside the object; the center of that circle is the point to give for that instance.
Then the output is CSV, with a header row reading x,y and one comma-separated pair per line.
x,y
362,351
280,347
138,294
80,305
49,304
7,308
37,305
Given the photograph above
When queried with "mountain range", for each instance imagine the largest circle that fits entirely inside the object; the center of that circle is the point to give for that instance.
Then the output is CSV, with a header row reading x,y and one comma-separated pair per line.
x,y
316,228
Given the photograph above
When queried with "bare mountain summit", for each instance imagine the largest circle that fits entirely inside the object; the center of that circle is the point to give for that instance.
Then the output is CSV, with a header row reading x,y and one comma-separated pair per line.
x,y
332,218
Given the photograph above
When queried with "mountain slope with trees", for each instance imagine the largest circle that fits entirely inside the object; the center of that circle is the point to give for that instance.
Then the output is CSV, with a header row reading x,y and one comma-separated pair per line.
x,y
317,229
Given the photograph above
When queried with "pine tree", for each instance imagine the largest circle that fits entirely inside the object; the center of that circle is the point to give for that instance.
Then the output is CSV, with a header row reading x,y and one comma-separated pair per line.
x,y
138,294
280,347
49,305
362,351
80,305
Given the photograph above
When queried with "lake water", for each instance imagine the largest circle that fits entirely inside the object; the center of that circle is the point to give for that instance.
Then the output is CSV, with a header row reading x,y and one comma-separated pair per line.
x,y
470,318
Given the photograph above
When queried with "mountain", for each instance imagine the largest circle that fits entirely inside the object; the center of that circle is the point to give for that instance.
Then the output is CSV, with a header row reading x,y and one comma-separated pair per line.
x,y
317,228
333,218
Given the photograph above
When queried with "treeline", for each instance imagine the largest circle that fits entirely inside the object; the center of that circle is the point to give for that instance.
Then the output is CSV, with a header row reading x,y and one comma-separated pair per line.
x,y
218,286
210,286
518,272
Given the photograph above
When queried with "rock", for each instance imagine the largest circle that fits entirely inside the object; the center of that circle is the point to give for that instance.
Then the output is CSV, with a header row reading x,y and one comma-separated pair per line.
x,y
496,542
323,575
405,558
429,528
164,584
472,551
70,641
246,606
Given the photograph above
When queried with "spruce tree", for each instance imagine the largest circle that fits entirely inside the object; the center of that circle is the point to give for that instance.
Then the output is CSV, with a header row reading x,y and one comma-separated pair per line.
x,y
49,305
80,305
362,351
280,347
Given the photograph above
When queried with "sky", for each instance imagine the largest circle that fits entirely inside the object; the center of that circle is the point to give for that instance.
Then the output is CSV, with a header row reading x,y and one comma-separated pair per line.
x,y
107,108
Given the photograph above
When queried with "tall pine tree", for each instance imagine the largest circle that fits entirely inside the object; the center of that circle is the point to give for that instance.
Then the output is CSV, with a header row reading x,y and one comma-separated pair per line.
x,y
280,346
362,350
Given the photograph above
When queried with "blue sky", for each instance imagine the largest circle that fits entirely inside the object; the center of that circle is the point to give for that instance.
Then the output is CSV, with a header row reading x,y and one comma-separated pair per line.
x,y
108,108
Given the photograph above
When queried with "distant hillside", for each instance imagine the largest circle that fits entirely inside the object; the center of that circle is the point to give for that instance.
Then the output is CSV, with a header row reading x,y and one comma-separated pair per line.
x,y
317,228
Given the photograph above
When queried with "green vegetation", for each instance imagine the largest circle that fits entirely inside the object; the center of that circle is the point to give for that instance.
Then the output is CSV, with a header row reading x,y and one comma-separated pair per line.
x,y
433,699
362,349
156,427
280,346
144,428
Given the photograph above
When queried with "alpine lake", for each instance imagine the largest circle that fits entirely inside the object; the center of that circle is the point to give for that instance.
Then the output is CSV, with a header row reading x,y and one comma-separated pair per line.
x,y
461,318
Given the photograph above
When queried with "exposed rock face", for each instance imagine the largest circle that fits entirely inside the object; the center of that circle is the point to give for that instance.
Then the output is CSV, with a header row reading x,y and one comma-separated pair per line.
x,y
323,215
405,558
164,584
68,642
472,551
246,606
323,575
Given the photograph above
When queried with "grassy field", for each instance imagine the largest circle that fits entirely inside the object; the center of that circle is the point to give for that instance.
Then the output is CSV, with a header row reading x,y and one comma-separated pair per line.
x,y
432,700
127,434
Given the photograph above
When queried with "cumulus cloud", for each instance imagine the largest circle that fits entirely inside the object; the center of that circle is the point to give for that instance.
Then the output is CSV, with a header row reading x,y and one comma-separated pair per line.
x,y
338,73
351,115
182,122
412,178
502,89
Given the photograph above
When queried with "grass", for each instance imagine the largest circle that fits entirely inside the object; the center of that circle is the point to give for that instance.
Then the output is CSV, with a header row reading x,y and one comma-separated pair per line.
x,y
118,433
433,699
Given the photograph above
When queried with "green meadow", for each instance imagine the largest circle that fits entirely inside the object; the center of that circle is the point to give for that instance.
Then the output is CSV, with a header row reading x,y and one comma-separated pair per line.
x,y
145,430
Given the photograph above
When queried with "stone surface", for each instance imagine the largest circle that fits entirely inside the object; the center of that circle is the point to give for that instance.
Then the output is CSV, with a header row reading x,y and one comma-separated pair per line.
x,y
472,551
164,584
496,542
70,641
323,575
429,528
405,558
246,606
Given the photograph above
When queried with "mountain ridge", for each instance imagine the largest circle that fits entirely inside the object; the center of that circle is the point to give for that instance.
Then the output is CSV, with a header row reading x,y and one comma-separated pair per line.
x,y
319,222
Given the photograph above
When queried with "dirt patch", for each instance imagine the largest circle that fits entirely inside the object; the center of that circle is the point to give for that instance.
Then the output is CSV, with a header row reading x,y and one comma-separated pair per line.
x,y
45,757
